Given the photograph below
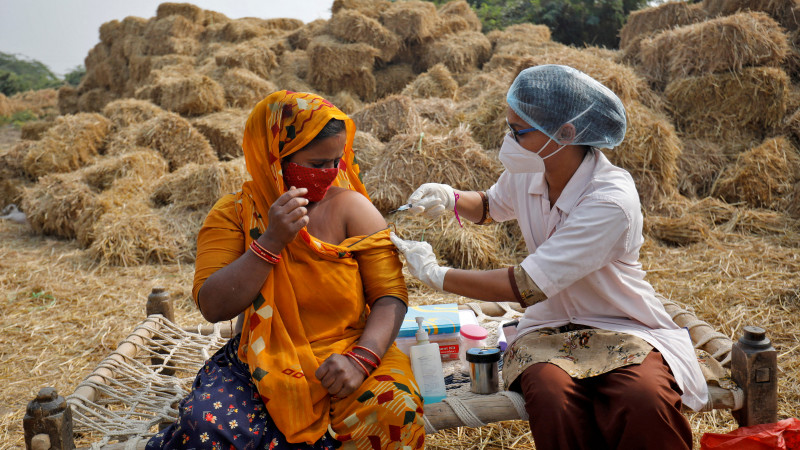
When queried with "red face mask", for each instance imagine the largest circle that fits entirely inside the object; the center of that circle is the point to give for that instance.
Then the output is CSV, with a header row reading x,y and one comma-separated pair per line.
x,y
317,181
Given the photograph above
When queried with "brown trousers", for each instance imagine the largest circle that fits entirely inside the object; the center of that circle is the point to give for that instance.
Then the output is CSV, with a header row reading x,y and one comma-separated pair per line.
x,y
633,407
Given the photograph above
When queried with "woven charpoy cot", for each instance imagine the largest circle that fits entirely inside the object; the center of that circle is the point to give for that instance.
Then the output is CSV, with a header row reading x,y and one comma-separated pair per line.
x,y
136,389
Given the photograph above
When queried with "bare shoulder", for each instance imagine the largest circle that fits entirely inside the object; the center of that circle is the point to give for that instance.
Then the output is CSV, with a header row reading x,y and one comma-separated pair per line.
x,y
360,215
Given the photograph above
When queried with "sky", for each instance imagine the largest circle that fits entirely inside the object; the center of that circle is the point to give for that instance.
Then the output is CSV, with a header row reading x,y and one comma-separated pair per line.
x,y
59,33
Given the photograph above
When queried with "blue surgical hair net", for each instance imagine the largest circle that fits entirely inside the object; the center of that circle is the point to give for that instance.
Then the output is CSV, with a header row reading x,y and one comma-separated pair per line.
x,y
549,96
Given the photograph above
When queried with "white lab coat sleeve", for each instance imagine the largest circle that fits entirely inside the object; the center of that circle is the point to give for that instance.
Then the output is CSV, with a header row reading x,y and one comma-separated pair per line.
x,y
501,196
596,232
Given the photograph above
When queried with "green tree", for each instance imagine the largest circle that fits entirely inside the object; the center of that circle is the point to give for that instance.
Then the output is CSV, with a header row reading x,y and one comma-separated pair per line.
x,y
575,22
74,76
19,74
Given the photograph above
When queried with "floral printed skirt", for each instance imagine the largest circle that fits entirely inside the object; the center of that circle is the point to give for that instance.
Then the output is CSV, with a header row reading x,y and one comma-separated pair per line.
x,y
224,411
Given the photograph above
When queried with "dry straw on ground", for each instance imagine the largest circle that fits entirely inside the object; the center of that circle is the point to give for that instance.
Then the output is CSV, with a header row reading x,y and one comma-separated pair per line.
x,y
411,159
388,117
224,131
763,177
34,130
720,45
73,142
436,82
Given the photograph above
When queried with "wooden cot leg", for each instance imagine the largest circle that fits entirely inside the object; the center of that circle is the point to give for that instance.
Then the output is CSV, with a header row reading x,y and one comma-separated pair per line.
x,y
158,302
754,367
48,422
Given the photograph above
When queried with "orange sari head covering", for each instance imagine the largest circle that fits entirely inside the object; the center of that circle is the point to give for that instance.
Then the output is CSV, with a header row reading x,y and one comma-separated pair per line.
x,y
282,124
282,347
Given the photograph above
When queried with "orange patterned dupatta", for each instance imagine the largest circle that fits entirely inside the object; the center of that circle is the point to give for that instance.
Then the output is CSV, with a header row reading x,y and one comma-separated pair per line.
x,y
283,351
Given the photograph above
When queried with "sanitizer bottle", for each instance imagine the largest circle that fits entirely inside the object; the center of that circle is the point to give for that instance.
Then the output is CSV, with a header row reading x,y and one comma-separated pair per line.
x,y
426,362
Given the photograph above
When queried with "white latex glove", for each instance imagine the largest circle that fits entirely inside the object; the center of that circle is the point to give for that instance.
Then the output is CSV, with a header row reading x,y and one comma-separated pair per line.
x,y
433,199
421,262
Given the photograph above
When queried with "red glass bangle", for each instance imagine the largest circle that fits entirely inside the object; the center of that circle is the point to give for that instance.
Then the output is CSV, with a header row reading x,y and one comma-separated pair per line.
x,y
360,347
263,249
364,359
264,254
366,372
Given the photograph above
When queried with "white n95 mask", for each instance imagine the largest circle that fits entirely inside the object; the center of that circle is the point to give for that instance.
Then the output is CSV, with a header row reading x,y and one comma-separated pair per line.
x,y
517,159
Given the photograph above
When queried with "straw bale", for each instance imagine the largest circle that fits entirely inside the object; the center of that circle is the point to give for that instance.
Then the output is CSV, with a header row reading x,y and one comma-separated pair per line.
x,y
393,78
438,114
243,88
5,105
367,149
521,33
370,8
483,106
341,66
294,62
187,10
649,21
254,55
71,143
621,79
301,37
436,82
718,45
192,95
94,100
753,100
41,102
54,204
176,139
650,153
784,11
170,35
413,21
238,30
198,187
459,9
471,247
141,66
125,112
462,52
224,130
291,82
132,236
110,31
411,159
144,166
681,231
699,165
12,189
388,117
353,26
214,18
33,130
346,101
12,161
763,177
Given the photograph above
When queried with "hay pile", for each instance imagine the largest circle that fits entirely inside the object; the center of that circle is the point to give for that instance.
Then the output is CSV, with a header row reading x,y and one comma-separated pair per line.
x,y
713,133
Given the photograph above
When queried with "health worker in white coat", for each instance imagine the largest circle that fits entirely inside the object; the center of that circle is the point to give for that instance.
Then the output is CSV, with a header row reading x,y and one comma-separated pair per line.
x,y
597,358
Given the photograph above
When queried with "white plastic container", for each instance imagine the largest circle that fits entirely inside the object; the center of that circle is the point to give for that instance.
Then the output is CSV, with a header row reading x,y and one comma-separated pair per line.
x,y
426,363
471,336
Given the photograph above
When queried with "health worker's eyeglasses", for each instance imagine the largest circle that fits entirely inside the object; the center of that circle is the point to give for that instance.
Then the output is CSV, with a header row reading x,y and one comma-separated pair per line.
x,y
519,133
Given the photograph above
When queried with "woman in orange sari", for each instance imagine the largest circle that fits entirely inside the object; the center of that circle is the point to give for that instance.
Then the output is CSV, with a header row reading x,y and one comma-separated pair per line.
x,y
305,260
